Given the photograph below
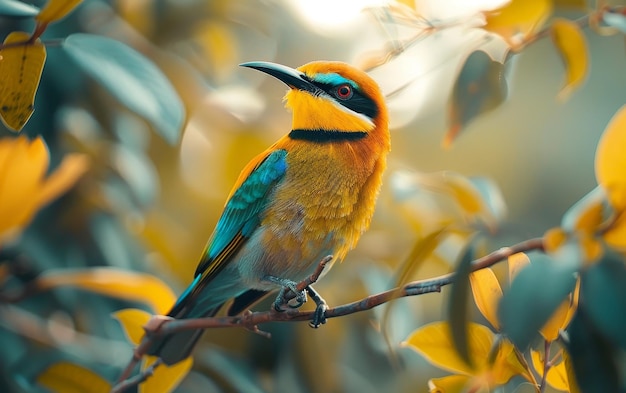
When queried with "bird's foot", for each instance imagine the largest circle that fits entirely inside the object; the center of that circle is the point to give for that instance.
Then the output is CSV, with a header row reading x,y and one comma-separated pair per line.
x,y
287,285
319,316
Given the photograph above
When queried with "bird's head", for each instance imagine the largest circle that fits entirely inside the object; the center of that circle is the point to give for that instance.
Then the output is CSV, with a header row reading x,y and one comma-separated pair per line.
x,y
334,98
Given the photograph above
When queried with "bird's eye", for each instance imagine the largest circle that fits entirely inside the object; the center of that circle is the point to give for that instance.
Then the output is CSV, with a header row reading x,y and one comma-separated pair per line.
x,y
343,92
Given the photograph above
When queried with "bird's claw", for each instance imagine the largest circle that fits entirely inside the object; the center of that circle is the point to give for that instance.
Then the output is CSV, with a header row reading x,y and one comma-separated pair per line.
x,y
319,316
296,302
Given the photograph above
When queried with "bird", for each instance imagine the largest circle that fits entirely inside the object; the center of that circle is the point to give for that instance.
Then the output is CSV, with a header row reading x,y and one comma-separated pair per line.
x,y
310,195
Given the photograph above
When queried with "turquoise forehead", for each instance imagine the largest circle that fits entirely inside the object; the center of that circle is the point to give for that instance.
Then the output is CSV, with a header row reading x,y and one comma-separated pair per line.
x,y
333,79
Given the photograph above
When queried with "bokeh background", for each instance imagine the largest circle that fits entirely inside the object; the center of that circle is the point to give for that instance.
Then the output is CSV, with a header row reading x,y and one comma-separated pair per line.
x,y
149,206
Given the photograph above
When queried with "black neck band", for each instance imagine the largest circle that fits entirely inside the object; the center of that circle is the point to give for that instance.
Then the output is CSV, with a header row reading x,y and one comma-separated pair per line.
x,y
326,136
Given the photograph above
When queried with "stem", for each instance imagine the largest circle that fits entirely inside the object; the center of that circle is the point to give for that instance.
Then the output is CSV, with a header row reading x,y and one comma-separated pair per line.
x,y
546,365
252,319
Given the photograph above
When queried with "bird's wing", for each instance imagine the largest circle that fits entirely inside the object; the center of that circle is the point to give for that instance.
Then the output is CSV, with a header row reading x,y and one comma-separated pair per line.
x,y
241,215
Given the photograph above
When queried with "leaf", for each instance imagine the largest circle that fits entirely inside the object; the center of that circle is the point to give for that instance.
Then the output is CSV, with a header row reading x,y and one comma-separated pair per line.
x,y
17,9
55,10
165,378
572,45
68,377
132,321
553,239
534,295
518,20
610,162
516,263
434,342
592,356
117,283
138,173
588,213
487,293
457,307
134,80
569,370
494,207
421,250
603,290
615,235
20,72
550,331
479,88
65,176
508,363
557,375
449,384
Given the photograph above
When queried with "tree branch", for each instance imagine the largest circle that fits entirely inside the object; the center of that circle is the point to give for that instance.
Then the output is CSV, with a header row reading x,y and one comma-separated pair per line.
x,y
250,320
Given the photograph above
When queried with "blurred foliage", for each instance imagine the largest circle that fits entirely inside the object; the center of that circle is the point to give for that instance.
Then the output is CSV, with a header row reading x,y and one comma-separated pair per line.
x,y
126,123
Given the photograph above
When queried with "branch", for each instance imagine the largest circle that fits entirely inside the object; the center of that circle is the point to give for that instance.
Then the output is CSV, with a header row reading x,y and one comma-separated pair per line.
x,y
250,320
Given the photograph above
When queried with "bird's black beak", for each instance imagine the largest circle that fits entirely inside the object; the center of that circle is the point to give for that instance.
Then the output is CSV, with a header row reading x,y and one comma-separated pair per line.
x,y
292,78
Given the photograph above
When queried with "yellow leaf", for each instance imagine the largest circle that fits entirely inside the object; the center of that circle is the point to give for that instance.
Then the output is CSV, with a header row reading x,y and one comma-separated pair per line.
x,y
219,46
464,192
165,378
550,331
55,10
114,282
610,162
615,236
569,371
508,364
572,45
434,342
518,19
588,213
132,320
553,239
23,164
591,248
516,263
20,72
562,315
68,377
557,375
449,384
487,293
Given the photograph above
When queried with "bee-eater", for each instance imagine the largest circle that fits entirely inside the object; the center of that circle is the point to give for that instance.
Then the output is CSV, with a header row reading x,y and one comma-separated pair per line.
x,y
309,195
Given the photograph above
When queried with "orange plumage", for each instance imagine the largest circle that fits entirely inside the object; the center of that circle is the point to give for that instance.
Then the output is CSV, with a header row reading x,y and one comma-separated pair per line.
x,y
311,194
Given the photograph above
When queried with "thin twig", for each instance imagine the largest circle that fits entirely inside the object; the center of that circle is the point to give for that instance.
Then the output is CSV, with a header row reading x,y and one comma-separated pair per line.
x,y
546,365
137,379
252,319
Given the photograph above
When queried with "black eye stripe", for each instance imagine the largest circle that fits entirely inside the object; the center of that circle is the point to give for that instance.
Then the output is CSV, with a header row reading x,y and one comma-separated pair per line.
x,y
359,102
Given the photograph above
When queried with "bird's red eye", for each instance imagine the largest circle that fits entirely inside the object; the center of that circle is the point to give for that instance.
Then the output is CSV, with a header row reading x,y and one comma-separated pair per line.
x,y
344,92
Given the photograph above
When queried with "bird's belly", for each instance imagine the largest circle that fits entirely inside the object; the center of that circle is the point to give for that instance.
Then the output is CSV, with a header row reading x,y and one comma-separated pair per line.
x,y
279,254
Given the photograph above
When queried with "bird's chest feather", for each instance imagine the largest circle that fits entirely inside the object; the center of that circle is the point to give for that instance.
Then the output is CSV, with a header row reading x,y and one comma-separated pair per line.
x,y
324,202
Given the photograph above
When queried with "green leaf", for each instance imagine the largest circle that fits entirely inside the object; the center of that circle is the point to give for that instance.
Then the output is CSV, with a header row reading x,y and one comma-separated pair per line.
x,y
17,9
138,173
458,305
133,79
534,295
592,356
603,292
480,87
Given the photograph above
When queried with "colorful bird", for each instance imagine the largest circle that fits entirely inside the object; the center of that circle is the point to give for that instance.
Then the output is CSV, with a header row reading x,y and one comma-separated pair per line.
x,y
309,195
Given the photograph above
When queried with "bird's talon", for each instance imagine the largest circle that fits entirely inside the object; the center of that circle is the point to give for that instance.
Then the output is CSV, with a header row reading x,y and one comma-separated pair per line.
x,y
319,317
